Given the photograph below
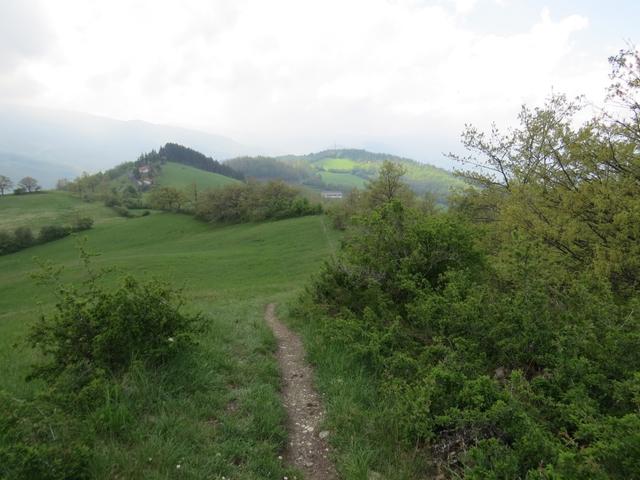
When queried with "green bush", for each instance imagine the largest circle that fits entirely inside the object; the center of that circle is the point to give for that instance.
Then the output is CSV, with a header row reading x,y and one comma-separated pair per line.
x,y
49,233
122,211
7,243
504,373
254,202
82,223
95,330
23,237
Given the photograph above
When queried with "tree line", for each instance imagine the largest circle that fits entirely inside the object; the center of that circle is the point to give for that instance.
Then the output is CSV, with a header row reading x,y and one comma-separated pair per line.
x,y
25,185
23,237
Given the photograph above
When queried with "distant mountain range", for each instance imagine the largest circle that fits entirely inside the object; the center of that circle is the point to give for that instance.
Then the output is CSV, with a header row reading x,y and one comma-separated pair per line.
x,y
51,144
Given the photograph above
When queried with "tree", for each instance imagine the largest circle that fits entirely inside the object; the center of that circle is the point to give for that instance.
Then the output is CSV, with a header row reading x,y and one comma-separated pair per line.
x,y
167,198
5,184
62,184
29,184
388,186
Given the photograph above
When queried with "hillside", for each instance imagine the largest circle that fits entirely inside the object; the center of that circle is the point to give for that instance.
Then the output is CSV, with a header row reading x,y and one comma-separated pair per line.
x,y
48,208
344,169
215,412
183,176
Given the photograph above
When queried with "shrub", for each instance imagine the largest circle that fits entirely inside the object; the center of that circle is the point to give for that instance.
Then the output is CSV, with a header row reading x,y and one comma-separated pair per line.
x,y
82,223
254,202
49,233
96,329
23,237
122,211
7,243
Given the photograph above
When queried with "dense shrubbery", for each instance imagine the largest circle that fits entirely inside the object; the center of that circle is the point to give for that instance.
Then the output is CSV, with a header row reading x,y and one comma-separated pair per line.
x,y
253,202
22,237
505,334
90,345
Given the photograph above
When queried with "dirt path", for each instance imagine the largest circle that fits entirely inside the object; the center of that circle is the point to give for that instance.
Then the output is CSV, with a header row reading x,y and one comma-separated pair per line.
x,y
308,448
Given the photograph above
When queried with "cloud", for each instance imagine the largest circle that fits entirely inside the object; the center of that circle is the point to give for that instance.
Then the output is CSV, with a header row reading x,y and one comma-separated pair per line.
x,y
293,74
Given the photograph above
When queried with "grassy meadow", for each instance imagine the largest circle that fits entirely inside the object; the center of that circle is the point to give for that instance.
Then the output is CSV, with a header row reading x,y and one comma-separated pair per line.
x,y
49,208
183,176
346,180
215,412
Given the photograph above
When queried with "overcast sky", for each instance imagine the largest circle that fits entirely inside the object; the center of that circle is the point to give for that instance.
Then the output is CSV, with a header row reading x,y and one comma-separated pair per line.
x,y
296,76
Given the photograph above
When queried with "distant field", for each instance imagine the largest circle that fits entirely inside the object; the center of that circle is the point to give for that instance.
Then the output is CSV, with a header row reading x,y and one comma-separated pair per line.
x,y
345,164
182,176
49,208
347,180
221,414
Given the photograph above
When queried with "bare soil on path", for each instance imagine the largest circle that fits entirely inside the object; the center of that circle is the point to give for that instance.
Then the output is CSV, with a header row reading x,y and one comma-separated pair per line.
x,y
308,449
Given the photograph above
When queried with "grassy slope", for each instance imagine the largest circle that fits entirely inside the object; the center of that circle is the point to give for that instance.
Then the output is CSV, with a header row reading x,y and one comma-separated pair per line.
x,y
347,180
218,414
48,208
183,176
345,164
420,176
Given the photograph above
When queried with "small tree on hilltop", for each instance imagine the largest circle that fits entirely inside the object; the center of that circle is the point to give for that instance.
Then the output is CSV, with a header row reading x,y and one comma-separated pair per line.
x,y
29,184
5,184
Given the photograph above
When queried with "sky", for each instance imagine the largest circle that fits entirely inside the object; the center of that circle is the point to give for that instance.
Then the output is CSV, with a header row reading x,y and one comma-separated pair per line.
x,y
295,76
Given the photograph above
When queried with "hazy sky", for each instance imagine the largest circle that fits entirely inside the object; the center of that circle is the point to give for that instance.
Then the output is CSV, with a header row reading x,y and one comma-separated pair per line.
x,y
297,75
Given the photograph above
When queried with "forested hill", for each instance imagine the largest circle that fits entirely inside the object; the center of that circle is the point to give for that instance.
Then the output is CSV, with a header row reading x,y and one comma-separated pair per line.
x,y
355,154
344,169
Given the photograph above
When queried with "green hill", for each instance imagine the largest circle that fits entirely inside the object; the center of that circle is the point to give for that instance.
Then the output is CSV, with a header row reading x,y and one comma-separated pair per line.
x,y
345,169
217,411
182,176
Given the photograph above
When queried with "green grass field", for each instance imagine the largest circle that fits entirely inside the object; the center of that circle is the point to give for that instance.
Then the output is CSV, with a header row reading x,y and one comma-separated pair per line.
x,y
49,208
345,164
183,176
217,413
346,180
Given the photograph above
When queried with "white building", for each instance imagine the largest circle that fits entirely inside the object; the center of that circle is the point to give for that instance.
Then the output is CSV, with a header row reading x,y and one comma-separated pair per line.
x,y
332,195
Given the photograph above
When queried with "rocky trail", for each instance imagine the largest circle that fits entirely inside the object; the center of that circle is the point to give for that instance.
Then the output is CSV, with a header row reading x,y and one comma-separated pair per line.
x,y
308,449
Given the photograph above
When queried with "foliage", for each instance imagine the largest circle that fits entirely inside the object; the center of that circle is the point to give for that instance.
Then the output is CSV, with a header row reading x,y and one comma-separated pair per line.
x,y
49,233
95,330
504,335
89,345
167,198
5,184
29,184
253,202
23,237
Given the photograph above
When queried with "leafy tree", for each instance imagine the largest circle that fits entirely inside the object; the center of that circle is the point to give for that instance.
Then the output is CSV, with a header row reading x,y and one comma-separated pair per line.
x,y
29,184
62,184
167,198
388,185
253,201
5,184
